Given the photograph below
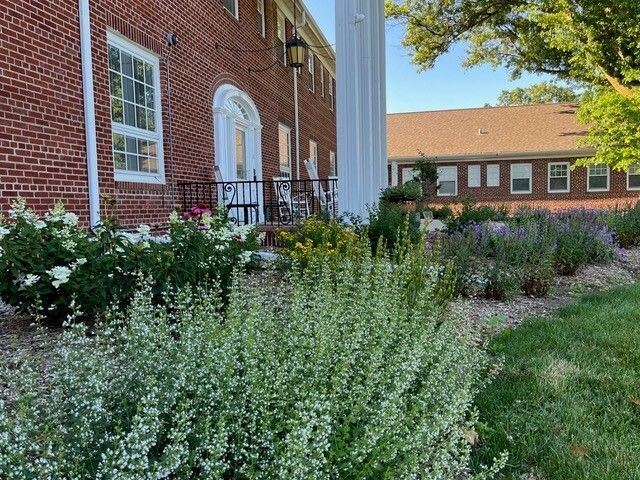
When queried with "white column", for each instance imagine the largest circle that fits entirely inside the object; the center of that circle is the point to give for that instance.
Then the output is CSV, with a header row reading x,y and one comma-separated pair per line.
x,y
361,103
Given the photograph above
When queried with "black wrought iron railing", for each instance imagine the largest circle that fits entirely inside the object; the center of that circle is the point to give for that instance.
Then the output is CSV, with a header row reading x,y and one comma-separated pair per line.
x,y
277,202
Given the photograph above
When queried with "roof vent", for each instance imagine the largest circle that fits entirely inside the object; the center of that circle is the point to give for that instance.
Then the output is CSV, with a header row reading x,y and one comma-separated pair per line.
x,y
482,132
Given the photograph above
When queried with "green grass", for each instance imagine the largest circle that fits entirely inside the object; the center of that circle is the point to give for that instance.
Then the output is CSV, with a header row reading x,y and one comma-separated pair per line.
x,y
567,402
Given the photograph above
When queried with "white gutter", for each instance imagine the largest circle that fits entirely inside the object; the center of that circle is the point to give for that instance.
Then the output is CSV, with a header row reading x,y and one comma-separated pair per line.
x,y
89,112
541,155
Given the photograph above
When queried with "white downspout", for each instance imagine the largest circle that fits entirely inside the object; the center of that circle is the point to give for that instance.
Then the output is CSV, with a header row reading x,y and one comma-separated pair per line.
x,y
297,120
89,112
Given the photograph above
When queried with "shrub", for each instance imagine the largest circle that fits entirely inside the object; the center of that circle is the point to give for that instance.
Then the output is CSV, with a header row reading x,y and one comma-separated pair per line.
x,y
408,192
337,375
54,265
443,213
387,221
315,236
472,213
626,224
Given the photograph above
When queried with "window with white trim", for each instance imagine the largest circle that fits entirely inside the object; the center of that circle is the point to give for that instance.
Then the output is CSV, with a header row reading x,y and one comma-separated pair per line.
x,y
409,174
311,66
473,176
322,85
559,181
447,181
333,167
332,102
598,178
261,19
284,144
521,178
232,7
633,177
281,30
136,114
493,175
313,153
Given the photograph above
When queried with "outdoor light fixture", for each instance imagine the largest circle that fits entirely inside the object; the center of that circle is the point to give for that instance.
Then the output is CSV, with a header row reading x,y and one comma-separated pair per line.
x,y
296,52
296,47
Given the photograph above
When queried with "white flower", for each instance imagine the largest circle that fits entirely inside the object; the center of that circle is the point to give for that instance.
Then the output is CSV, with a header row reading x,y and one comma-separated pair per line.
x,y
60,275
78,263
4,231
39,224
174,217
70,219
144,230
31,279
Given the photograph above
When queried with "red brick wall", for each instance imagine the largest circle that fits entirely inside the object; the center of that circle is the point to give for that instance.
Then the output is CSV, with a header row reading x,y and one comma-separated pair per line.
x,y
42,149
618,195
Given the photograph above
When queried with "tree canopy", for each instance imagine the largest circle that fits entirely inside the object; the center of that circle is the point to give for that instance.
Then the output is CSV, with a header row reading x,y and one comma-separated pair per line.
x,y
593,43
545,92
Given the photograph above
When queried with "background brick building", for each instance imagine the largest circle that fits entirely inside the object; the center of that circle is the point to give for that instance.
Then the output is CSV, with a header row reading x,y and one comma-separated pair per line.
x,y
511,156
154,104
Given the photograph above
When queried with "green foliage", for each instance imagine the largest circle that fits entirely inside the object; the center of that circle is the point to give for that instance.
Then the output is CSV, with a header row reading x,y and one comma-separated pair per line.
x,y
53,266
387,221
614,128
347,373
443,213
408,192
473,213
545,92
565,405
626,224
315,236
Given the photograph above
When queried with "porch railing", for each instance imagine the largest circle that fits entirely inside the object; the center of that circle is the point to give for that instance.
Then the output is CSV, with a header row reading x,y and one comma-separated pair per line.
x,y
277,202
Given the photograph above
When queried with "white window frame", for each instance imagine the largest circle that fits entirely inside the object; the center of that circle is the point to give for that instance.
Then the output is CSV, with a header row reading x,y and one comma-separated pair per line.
x,y
476,169
322,82
281,33
286,130
523,192
448,168
119,128
235,14
566,164
331,94
589,189
495,167
333,166
313,152
635,174
262,13
311,66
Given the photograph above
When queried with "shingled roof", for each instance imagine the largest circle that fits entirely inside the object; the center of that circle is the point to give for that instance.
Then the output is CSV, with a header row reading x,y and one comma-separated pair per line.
x,y
490,131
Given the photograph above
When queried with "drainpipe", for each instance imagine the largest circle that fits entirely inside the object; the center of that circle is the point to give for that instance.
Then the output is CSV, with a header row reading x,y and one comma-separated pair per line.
x,y
89,112
297,120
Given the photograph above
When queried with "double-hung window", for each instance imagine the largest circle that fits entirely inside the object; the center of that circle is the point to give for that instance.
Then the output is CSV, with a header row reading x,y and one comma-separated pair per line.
x,y
598,178
633,178
311,65
136,113
473,176
261,19
333,167
447,181
232,7
493,175
313,153
521,178
331,94
281,30
284,147
559,181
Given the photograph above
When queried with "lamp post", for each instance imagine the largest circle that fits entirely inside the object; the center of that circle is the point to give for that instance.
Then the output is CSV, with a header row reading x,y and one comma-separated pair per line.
x,y
296,49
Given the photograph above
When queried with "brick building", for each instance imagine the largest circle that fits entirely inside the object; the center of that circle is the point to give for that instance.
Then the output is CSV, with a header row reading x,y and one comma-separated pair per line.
x,y
511,156
162,114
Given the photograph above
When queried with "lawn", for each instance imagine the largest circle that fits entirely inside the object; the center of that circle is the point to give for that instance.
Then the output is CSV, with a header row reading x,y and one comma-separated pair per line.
x,y
567,402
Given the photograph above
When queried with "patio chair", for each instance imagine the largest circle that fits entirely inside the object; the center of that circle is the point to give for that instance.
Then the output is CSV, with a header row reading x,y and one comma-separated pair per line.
x,y
327,200
291,205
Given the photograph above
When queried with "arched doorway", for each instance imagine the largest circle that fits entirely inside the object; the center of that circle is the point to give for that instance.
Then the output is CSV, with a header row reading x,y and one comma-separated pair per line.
x,y
238,149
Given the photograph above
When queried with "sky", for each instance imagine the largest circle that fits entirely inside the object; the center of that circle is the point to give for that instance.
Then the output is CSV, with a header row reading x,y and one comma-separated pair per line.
x,y
448,85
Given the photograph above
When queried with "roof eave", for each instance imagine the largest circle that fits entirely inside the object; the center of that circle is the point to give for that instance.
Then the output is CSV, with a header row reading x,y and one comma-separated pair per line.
x,y
533,155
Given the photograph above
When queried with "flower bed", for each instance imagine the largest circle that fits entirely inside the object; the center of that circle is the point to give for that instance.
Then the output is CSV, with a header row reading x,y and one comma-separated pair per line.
x,y
53,267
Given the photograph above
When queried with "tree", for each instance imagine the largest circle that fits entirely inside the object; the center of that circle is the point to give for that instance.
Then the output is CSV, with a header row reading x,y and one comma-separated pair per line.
x,y
545,92
593,43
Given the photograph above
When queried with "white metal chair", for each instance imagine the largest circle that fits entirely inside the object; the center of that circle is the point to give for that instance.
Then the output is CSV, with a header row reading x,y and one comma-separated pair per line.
x,y
328,200
291,205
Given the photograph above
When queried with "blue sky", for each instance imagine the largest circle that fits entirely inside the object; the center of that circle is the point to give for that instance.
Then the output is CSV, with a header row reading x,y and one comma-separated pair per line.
x,y
446,86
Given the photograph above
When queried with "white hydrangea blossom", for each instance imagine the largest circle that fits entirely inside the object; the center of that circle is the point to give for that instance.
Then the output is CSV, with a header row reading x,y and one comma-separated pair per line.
x,y
4,231
60,275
